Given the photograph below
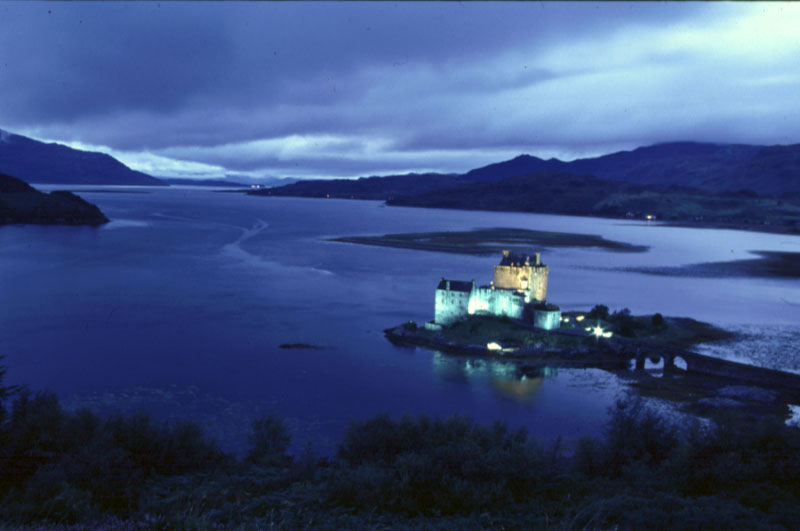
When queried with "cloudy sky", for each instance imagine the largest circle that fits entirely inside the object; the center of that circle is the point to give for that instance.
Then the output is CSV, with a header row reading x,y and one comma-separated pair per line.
x,y
348,89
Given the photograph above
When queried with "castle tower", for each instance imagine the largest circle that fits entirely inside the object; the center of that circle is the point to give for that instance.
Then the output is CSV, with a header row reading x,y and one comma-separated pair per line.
x,y
523,274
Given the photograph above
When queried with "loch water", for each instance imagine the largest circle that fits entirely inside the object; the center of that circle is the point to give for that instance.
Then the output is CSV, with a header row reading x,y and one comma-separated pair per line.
x,y
180,304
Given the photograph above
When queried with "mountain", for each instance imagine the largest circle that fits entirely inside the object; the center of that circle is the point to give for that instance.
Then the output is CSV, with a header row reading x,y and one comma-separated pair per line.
x,y
772,171
588,195
553,192
521,165
690,164
21,203
697,165
263,182
769,170
381,188
216,183
40,162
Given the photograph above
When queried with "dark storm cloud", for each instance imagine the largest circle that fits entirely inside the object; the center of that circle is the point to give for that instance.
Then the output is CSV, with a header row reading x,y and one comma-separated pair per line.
x,y
388,86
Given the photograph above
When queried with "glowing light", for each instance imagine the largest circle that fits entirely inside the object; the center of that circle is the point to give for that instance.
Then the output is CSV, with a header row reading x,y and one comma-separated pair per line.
x,y
608,334
493,346
598,331
588,328
650,217
579,318
565,319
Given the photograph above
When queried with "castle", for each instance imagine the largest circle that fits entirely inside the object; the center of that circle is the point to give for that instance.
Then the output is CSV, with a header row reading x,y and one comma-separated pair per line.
x,y
519,291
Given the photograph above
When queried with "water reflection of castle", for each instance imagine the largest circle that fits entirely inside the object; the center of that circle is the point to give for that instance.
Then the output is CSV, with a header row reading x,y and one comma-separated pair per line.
x,y
518,291
505,376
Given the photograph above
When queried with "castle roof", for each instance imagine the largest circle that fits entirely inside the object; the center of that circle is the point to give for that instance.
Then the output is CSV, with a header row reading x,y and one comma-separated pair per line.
x,y
455,285
512,259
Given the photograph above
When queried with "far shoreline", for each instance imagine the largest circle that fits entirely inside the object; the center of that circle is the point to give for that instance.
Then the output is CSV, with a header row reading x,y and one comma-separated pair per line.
x,y
765,228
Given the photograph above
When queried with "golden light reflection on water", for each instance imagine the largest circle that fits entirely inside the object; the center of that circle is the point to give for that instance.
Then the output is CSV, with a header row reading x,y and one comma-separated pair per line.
x,y
506,378
523,389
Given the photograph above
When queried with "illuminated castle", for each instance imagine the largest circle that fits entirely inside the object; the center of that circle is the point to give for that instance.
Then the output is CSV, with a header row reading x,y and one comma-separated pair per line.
x,y
519,291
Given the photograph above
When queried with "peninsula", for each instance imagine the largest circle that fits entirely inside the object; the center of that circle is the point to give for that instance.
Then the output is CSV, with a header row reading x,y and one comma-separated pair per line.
x,y
21,203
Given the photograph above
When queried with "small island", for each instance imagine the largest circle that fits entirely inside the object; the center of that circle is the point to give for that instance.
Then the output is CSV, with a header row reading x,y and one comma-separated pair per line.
x,y
512,319
20,203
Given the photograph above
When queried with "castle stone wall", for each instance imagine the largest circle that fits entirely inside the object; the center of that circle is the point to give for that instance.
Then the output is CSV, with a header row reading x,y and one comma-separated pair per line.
x,y
518,282
451,305
524,275
547,319
503,302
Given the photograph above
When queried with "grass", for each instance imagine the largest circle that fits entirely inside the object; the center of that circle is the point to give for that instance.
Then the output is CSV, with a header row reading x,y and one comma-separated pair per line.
x,y
429,473
678,332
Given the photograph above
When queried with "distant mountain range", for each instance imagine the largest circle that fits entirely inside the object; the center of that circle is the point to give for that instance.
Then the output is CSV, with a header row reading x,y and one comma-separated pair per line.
x,y
49,163
21,203
382,188
681,181
236,181
40,162
769,170
216,183
718,168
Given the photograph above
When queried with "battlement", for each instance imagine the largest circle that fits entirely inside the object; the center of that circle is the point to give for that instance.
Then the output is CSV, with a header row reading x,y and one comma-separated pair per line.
x,y
513,259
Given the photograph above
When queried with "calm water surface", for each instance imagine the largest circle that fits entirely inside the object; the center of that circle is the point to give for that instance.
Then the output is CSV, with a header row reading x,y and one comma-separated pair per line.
x,y
179,305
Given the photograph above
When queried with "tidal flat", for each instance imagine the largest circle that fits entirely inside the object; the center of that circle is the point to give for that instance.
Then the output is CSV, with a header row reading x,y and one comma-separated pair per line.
x,y
770,264
490,241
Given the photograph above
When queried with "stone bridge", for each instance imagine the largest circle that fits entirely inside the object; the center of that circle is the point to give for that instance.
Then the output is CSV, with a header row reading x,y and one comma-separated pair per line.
x,y
786,382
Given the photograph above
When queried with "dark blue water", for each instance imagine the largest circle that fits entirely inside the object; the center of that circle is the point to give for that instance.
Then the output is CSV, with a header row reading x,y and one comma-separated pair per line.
x,y
180,304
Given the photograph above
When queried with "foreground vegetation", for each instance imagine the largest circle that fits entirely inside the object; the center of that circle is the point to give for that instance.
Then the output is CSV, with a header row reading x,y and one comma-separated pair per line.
x,y
59,468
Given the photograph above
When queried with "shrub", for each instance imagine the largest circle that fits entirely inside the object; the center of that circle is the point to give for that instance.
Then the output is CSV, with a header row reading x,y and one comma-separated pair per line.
x,y
269,441
435,466
59,464
635,436
600,311
6,392
624,323
410,326
33,437
657,320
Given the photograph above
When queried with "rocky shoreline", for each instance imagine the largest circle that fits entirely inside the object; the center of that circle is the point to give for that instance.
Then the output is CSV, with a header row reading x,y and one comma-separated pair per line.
x,y
706,386
602,355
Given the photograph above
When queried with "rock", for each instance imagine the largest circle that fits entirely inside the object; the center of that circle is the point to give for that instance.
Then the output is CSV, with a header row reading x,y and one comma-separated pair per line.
x,y
753,394
300,346
718,401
